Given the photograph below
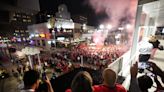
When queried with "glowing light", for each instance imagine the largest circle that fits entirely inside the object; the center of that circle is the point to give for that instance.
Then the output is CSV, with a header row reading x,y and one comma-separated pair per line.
x,y
118,36
36,35
42,35
120,28
61,38
84,24
84,27
48,25
109,26
101,26
128,26
48,16
31,42
49,42
53,41
32,35
19,39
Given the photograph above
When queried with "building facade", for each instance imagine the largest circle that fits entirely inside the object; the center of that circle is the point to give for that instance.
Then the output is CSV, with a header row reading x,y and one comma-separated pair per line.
x,y
15,16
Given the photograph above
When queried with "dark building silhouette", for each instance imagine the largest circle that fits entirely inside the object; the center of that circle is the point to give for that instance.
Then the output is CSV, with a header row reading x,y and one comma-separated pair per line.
x,y
15,16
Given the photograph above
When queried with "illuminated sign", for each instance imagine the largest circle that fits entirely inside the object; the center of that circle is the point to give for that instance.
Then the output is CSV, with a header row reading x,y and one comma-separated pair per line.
x,y
42,35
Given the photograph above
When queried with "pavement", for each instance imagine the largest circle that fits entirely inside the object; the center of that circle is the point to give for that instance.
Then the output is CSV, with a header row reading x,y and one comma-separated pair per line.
x,y
9,85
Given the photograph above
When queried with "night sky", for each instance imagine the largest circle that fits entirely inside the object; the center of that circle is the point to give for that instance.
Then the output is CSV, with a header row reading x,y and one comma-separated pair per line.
x,y
75,7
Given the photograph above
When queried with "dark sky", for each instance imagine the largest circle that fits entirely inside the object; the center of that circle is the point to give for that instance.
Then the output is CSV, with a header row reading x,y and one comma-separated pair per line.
x,y
75,7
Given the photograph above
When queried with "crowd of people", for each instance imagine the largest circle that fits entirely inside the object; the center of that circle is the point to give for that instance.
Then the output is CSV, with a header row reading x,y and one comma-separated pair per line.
x,y
63,61
89,55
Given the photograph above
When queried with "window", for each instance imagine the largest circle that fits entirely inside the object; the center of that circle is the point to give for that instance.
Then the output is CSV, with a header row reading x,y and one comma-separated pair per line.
x,y
28,17
14,19
17,31
24,20
24,39
18,15
23,16
29,20
15,34
22,31
22,34
43,43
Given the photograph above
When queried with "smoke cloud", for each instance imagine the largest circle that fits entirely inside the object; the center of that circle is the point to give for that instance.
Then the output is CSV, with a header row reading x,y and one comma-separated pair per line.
x,y
119,12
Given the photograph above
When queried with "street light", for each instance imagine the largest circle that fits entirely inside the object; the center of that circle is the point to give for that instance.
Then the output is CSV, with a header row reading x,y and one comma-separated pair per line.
x,y
48,25
109,26
128,26
120,28
101,26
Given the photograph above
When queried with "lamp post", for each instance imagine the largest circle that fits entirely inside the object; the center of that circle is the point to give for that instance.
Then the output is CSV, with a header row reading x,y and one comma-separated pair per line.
x,y
39,60
9,51
82,63
30,62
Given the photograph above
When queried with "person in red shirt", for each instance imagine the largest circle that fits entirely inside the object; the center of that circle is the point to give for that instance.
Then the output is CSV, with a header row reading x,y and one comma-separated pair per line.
x,y
109,84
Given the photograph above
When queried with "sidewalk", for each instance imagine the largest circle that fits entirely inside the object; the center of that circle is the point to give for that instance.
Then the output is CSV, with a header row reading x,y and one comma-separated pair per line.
x,y
9,85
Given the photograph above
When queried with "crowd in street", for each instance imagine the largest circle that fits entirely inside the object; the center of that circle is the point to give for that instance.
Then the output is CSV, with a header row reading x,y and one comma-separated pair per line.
x,y
61,62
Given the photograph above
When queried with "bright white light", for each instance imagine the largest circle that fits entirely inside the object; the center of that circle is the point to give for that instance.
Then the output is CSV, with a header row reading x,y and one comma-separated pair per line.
x,y
48,25
19,39
49,42
36,35
101,26
65,24
61,38
32,35
109,26
120,28
128,26
84,24
53,41
48,16
118,36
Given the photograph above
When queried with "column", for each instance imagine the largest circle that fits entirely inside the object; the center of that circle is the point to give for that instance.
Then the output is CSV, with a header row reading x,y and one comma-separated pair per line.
x,y
82,63
146,26
136,33
39,61
29,58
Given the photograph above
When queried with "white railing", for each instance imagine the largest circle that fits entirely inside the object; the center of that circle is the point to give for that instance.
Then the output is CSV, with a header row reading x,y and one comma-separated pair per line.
x,y
122,65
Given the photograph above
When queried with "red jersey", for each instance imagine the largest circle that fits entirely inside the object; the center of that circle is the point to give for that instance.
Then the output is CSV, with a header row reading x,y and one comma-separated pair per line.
x,y
68,90
104,88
